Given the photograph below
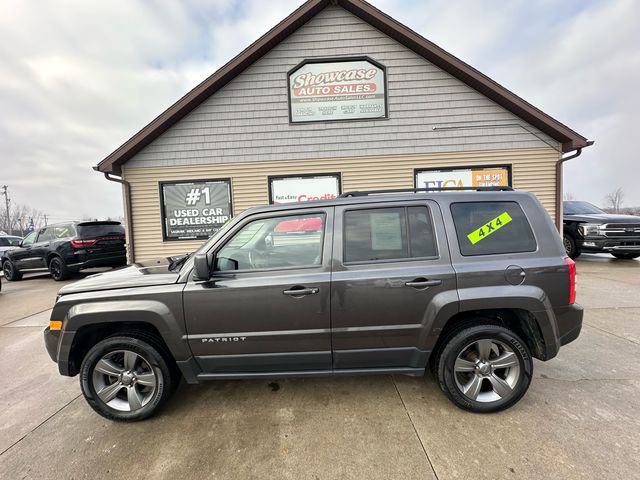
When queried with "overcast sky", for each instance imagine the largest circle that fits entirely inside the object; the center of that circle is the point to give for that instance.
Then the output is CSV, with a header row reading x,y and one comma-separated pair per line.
x,y
78,78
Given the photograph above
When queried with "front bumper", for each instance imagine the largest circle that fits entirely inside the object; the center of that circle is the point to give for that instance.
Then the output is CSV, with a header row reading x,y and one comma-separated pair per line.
x,y
604,244
58,344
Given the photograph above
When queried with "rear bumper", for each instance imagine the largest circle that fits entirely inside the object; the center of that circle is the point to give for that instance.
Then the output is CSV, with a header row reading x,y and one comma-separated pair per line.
x,y
81,261
569,322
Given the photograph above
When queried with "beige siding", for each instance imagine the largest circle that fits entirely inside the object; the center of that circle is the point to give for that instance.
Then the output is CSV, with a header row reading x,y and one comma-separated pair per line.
x,y
533,170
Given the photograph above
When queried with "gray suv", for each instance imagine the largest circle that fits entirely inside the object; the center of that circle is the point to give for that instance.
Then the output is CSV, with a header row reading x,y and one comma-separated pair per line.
x,y
470,285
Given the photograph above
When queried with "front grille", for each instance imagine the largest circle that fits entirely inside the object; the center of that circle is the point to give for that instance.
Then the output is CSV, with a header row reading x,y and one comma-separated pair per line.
x,y
621,230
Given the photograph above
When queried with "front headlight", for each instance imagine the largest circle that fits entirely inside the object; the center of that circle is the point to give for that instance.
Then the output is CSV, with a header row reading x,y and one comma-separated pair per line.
x,y
587,229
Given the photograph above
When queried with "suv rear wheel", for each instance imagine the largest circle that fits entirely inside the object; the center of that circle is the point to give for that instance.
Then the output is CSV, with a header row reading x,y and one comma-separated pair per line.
x,y
58,269
484,368
126,379
11,273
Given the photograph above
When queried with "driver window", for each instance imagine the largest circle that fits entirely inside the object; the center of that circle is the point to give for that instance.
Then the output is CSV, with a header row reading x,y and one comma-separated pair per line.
x,y
278,242
29,239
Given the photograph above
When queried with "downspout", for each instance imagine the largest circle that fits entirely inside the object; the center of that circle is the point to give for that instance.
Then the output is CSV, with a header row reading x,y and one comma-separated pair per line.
x,y
559,192
127,201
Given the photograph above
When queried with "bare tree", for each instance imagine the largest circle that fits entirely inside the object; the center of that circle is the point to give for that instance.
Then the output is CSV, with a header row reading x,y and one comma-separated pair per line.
x,y
20,217
569,196
614,200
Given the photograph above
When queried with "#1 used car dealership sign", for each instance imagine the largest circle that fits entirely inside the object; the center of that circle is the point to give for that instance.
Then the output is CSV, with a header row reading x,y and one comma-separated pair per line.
x,y
340,89
194,209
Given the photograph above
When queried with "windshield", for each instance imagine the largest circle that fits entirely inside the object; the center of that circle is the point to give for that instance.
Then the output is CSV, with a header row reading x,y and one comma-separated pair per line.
x,y
580,208
178,262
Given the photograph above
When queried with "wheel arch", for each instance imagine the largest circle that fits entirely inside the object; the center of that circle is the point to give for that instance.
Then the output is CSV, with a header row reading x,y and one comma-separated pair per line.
x,y
88,335
522,322
85,324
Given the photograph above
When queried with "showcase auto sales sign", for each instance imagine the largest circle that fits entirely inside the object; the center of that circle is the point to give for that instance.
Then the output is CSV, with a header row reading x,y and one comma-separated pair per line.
x,y
337,90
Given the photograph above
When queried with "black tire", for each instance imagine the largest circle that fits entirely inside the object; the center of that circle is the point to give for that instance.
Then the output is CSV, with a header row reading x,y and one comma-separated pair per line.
x,y
11,273
625,255
58,269
519,374
153,355
570,246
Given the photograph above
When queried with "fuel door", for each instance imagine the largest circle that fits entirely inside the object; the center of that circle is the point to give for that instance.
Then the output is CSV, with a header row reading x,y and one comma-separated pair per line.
x,y
515,274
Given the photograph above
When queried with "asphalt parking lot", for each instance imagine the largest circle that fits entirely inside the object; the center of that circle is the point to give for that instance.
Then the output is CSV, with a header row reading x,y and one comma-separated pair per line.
x,y
579,419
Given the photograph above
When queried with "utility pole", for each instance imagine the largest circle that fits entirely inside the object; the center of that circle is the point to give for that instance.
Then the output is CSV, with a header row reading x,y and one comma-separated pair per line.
x,y
6,199
45,219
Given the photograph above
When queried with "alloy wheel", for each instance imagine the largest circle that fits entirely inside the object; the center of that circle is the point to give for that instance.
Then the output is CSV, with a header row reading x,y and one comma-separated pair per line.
x,y
487,370
124,380
54,268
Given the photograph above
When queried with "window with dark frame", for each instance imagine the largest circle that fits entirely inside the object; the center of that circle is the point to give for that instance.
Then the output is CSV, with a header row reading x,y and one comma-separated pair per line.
x,y
291,241
388,233
486,228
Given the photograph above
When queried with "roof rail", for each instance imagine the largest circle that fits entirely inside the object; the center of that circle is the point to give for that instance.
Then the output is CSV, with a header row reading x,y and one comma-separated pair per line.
x,y
357,193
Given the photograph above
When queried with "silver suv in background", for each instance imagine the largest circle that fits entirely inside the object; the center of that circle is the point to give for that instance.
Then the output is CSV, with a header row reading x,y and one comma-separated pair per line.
x,y
471,286
7,242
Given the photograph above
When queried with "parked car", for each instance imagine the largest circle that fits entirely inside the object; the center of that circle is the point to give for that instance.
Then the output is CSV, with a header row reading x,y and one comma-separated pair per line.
x,y
66,248
470,285
587,228
7,242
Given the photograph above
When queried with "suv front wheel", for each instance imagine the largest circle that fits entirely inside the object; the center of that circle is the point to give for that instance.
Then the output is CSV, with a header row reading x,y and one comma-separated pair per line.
x,y
570,246
126,379
484,368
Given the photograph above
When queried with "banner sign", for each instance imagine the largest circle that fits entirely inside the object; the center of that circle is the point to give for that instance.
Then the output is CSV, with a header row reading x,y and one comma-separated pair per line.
x,y
337,90
194,209
303,189
464,177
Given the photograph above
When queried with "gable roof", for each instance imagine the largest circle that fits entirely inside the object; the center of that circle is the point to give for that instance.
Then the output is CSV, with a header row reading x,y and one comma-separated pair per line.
x,y
569,139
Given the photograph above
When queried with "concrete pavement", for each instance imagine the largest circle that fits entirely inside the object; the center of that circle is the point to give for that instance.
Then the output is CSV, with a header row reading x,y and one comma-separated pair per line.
x,y
578,420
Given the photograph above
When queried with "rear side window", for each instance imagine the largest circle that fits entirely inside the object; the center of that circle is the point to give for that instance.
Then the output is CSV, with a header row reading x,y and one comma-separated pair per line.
x,y
388,234
93,230
485,228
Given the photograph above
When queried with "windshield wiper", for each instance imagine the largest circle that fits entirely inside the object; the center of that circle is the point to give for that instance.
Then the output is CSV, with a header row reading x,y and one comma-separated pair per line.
x,y
176,262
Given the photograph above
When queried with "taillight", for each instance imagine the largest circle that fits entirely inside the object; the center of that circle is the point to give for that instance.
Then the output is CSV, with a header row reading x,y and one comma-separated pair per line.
x,y
572,279
84,243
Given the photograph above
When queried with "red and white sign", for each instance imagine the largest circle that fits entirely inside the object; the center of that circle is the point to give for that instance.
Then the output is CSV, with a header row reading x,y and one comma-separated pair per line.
x,y
304,189
340,90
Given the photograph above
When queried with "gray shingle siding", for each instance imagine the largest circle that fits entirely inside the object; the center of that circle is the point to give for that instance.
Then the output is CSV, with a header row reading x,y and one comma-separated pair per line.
x,y
248,119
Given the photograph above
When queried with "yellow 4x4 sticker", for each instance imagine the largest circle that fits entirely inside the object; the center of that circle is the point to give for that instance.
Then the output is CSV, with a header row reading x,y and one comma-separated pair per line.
x,y
489,227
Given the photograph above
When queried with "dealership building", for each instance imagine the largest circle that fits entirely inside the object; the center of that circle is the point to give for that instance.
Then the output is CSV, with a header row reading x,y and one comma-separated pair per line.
x,y
337,97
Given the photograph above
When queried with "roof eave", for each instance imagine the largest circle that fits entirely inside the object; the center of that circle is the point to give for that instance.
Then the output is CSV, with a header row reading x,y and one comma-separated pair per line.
x,y
569,139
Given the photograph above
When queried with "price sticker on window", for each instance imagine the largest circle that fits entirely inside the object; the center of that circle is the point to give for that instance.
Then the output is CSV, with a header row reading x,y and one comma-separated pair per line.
x,y
489,227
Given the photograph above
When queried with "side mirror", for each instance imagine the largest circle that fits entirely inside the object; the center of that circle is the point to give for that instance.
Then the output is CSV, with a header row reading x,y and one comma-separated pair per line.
x,y
201,267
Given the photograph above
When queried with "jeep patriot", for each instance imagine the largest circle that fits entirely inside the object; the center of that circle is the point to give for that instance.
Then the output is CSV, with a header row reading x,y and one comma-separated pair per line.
x,y
469,285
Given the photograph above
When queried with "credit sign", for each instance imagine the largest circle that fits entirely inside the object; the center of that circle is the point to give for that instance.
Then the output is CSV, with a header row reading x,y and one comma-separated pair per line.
x,y
337,90
303,189
194,209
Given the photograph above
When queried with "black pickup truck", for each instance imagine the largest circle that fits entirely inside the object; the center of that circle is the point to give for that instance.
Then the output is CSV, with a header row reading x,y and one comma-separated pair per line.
x,y
590,229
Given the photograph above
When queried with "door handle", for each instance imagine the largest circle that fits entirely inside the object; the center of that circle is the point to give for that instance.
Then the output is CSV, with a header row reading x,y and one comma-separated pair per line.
x,y
423,283
301,291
